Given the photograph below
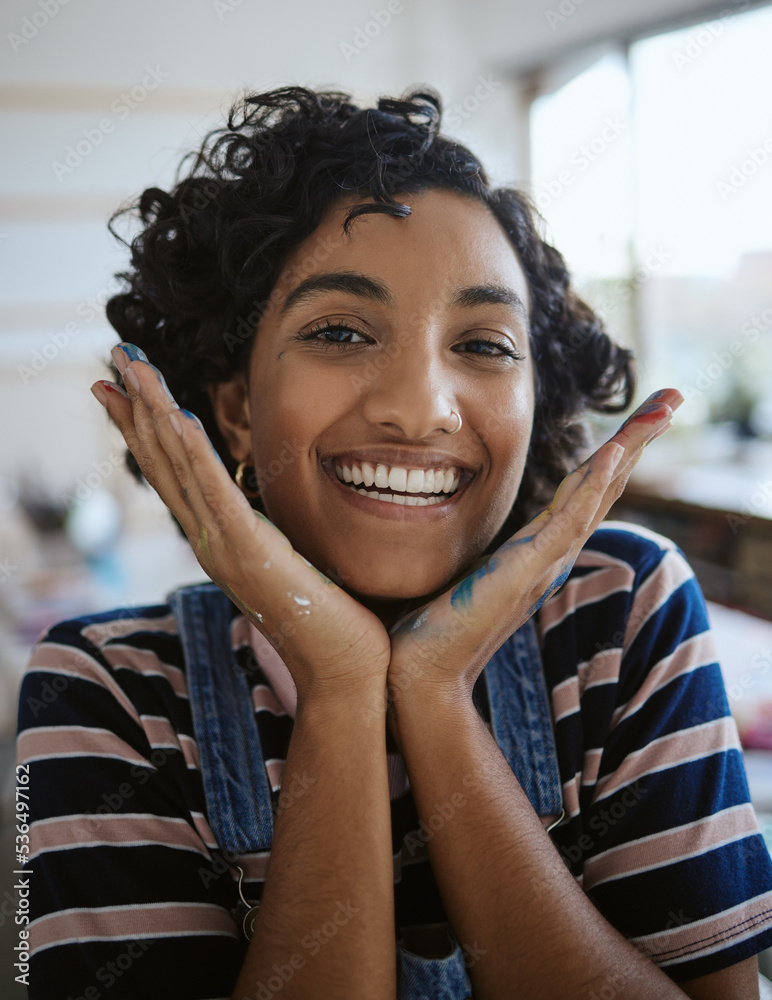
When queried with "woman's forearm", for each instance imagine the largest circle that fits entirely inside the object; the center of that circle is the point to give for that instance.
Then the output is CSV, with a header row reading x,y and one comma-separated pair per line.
x,y
526,928
326,921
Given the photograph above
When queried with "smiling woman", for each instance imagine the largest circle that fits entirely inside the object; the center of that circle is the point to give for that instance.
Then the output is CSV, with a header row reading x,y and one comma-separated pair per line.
x,y
433,728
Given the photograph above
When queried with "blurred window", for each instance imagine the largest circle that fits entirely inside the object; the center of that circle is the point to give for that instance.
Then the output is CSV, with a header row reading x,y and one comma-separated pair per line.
x,y
652,168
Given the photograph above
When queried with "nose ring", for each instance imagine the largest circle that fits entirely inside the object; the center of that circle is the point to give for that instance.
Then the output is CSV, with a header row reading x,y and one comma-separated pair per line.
x,y
458,416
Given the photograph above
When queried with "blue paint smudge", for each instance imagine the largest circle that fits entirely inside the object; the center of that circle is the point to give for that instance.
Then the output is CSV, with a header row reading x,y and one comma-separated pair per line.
x,y
513,542
461,595
555,585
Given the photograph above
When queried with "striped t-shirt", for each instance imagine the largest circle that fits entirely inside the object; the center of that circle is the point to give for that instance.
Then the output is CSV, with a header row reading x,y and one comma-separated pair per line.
x,y
130,896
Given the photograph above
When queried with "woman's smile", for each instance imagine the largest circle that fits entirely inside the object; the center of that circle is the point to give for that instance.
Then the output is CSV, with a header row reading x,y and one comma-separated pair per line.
x,y
394,492
399,368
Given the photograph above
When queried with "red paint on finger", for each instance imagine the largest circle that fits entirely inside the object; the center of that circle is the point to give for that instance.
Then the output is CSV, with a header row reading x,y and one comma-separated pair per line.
x,y
649,413
99,393
112,387
653,415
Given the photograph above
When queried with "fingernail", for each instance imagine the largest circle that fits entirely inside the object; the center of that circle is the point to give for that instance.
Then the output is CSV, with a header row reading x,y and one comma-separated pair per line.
x,y
128,375
132,352
109,387
124,352
175,421
99,393
190,416
616,458
119,358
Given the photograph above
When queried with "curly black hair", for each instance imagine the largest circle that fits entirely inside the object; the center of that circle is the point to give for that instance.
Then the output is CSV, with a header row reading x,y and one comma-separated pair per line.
x,y
210,251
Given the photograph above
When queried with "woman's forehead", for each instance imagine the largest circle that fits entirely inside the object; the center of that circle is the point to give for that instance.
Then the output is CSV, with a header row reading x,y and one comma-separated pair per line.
x,y
453,237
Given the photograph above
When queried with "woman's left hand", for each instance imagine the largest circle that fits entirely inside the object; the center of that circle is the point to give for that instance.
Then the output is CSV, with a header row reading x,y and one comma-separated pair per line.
x,y
443,646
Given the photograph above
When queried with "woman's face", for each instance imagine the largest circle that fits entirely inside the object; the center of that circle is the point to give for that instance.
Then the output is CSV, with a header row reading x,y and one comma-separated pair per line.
x,y
410,304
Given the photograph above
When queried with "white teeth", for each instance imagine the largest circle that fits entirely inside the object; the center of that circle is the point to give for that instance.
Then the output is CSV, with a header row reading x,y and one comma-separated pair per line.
x,y
405,501
398,479
415,481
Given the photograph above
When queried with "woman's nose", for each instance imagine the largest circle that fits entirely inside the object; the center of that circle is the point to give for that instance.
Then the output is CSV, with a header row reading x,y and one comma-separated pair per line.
x,y
410,396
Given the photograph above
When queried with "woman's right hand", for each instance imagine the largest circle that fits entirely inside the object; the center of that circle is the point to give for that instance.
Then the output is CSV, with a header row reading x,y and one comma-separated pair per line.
x,y
330,643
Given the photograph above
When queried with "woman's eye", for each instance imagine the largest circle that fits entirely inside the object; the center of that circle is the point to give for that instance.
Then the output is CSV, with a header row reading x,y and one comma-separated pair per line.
x,y
334,333
490,348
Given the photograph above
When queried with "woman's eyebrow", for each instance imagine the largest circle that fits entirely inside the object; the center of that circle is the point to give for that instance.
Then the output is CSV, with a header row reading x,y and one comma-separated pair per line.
x,y
365,287
351,282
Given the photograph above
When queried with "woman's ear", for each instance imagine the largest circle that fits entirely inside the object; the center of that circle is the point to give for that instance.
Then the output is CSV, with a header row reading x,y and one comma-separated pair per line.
x,y
230,404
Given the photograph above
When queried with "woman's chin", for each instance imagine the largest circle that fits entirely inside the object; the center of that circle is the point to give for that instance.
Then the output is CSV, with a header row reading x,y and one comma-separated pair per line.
x,y
394,586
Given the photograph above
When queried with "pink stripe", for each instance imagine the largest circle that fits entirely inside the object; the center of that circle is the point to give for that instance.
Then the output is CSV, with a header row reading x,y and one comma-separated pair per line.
x,y
255,866
275,769
50,742
663,849
130,922
160,733
275,669
669,575
565,698
571,796
103,632
201,823
118,829
71,662
669,751
592,759
690,655
147,663
264,699
583,590
603,668
703,937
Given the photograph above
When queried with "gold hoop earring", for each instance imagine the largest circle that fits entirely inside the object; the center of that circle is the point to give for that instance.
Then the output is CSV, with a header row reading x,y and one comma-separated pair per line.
x,y
239,480
459,423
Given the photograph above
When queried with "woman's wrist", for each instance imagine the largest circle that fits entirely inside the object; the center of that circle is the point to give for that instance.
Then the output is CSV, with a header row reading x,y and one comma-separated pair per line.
x,y
357,699
421,708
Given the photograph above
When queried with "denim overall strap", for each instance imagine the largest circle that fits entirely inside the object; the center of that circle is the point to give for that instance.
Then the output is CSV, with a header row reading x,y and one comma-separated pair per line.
x,y
238,794
522,726
236,783
521,718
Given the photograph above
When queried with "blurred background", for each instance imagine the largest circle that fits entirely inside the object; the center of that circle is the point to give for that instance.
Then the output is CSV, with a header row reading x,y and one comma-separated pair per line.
x,y
644,135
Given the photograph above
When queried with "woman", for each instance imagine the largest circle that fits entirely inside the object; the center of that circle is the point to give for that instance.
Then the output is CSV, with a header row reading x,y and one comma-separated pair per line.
x,y
491,738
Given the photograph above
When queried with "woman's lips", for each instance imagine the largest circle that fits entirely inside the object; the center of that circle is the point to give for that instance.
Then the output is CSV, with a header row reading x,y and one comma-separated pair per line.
x,y
389,511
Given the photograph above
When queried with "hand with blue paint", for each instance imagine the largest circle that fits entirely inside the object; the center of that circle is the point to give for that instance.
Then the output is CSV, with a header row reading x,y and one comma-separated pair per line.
x,y
447,642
